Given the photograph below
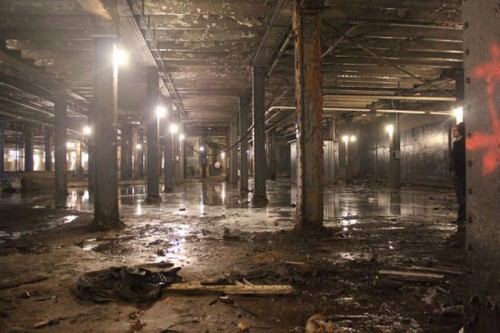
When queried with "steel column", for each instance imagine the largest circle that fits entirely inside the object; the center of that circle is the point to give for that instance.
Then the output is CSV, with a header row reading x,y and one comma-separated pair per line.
x,y
309,102
106,210
2,161
169,171
179,160
482,127
28,148
48,151
134,149
259,136
126,152
140,156
244,104
79,162
60,105
272,148
153,164
395,158
91,144
233,153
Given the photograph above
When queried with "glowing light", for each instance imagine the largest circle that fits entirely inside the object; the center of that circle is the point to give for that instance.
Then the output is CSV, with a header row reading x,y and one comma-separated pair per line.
x,y
120,57
174,128
182,137
202,148
70,145
223,154
138,146
87,130
390,129
353,138
161,111
345,138
458,112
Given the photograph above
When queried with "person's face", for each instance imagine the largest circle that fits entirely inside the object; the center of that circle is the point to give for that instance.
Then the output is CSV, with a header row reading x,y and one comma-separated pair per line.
x,y
454,132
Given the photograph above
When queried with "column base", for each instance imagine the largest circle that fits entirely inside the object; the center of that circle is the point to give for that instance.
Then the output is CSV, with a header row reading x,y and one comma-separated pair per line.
x,y
259,201
151,200
101,224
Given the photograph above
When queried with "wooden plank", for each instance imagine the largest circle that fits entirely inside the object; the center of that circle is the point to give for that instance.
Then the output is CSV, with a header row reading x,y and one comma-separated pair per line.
x,y
17,283
412,276
197,288
436,270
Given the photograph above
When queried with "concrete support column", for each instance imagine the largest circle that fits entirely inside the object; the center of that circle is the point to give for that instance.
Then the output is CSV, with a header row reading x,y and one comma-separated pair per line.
x,y
176,157
48,151
133,149
309,103
395,158
106,209
91,149
482,127
126,152
244,104
60,148
79,161
179,156
272,147
233,153
259,136
203,161
28,148
139,156
348,159
169,171
2,161
153,164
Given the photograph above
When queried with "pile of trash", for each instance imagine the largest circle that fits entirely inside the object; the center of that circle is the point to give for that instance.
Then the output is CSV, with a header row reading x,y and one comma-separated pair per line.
x,y
124,283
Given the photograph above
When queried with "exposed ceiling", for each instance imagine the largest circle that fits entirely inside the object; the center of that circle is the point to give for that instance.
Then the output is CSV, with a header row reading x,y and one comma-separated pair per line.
x,y
377,55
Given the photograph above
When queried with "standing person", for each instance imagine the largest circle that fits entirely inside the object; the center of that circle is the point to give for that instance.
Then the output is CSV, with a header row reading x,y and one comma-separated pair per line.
x,y
217,167
457,169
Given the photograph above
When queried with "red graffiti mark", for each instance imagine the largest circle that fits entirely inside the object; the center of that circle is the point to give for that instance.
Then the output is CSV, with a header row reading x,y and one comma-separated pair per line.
x,y
490,142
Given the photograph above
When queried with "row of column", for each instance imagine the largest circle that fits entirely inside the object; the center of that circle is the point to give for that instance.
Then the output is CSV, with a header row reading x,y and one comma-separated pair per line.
x,y
27,140
307,28
132,157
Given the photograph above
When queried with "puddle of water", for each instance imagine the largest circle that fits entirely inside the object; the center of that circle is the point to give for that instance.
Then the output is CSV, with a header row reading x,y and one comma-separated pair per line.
x,y
89,244
69,219
351,256
12,235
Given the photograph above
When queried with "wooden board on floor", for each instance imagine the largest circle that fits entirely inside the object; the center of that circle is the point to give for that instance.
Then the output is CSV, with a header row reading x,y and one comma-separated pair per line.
x,y
197,288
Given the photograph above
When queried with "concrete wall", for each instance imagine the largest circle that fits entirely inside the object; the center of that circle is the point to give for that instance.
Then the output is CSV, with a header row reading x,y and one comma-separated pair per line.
x,y
424,149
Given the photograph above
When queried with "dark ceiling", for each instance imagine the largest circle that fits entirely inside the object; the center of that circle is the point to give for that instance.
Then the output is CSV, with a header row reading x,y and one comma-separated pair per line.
x,y
378,55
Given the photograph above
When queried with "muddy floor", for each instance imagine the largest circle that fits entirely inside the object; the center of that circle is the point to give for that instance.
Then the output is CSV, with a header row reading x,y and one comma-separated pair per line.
x,y
386,261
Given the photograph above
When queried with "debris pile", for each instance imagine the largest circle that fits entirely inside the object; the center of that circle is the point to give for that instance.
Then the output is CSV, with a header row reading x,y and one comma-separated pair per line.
x,y
129,284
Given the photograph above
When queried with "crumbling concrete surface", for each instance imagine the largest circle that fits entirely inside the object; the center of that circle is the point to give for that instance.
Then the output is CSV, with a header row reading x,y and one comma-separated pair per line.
x,y
386,262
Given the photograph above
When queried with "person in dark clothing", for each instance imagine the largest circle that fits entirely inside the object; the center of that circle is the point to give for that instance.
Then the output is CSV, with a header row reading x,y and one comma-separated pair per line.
x,y
457,169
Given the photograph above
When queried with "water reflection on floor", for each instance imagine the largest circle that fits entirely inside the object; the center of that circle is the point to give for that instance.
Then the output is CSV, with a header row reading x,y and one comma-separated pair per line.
x,y
344,205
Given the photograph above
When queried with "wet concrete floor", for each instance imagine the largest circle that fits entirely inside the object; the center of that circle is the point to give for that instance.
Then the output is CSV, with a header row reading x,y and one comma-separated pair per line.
x,y
211,229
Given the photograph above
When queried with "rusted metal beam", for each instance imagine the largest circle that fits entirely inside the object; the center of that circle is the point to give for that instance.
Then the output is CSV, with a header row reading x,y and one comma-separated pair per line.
x,y
309,102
